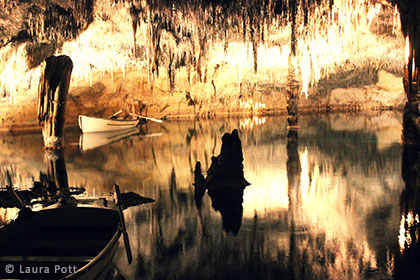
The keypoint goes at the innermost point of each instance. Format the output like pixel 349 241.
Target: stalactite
pixel 171 71
pixel 216 21
pixel 293 90
pixel 155 47
pixel 190 62
pixel 293 34
pixel 134 12
pixel 214 90
pixel 292 95
pixel 255 54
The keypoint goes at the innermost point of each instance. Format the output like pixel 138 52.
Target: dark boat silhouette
pixel 71 239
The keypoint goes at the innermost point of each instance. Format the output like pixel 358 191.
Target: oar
pixel 147 118
pixel 116 113
pixel 12 192
pixel 124 230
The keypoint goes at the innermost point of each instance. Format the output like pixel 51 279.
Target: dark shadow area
pixel 406 264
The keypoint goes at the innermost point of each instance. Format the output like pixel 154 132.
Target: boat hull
pixel 70 242
pixel 91 124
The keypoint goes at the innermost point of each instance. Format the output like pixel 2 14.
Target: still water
pixel 333 204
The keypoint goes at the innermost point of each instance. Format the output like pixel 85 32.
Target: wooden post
pixel 52 103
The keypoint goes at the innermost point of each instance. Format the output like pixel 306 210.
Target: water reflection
pixel 88 141
pixel 406 263
pixel 51 186
pixel 225 182
pixel 74 237
pixel 55 180
pixel 294 169
pixel 334 217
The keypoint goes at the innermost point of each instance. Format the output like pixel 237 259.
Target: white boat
pixel 91 124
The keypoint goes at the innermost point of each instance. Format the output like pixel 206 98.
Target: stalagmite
pixel 52 103
pixel 293 88
pixel 225 182
pixel 292 99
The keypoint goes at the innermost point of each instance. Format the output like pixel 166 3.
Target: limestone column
pixel 52 102
pixel 293 93
pixel 293 87
pixel 409 12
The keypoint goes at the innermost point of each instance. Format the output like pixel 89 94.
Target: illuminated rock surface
pixel 229 56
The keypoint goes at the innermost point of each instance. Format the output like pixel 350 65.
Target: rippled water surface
pixel 332 204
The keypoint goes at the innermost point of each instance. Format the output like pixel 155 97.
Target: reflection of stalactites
pixel 293 161
pixel 409 231
pixel 410 174
pixel 172 186
pixel 293 168
pixel 199 185
pixel 406 264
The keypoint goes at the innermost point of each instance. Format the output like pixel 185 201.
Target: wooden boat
pixel 74 239
pixel 92 124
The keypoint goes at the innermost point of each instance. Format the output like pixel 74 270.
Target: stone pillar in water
pixel 409 11
pixel 293 88
pixel 411 117
pixel 293 93
pixel 52 102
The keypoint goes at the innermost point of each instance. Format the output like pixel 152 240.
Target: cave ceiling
pixel 45 25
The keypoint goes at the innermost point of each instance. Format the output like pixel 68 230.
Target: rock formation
pixel 225 182
pixel 52 102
